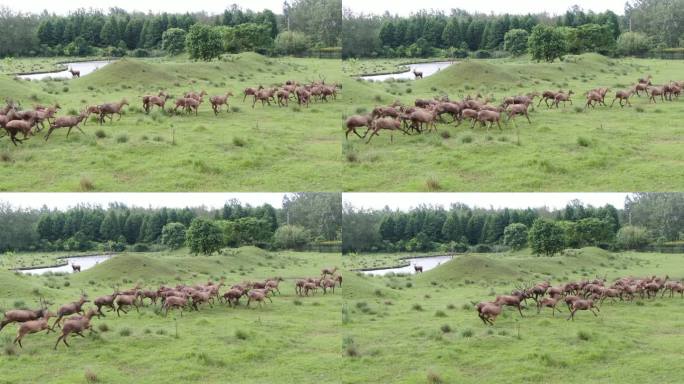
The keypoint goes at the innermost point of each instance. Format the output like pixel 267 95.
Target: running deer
pixel 33 326
pixel 70 309
pixel 76 325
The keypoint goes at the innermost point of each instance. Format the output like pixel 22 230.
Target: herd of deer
pixel 425 113
pixel 181 297
pixel 579 296
pixel 292 90
pixel 29 122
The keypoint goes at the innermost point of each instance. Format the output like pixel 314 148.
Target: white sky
pixel 553 7
pixel 156 6
pixel 406 201
pixel 156 200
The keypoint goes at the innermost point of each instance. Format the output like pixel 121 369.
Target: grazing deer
pixel 75 267
pixel 417 74
pixel 74 72
pixel 33 326
pixel 418 268
pixel 76 325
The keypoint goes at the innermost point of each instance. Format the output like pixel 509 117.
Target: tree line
pixel 303 25
pixel 303 219
pixel 647 218
pixel 645 25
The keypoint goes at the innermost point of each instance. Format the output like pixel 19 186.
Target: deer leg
pixel 520 310
pixel 572 315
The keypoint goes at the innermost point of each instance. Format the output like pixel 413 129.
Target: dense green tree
pixel 203 42
pixel 204 236
pixel 515 236
pixel 546 43
pixel 173 235
pixel 546 237
pixel 633 44
pixel 515 41
pixel 291 43
pixel 291 237
pixel 173 41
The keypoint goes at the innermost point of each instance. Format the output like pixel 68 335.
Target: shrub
pixel 432 184
pixel 86 184
pixel 583 141
pixel 141 247
pixel 103 327
pixel 90 376
pixel 239 142
pixel 122 138
pixel 241 335
pixel 467 139
pixel 291 237
pixel 467 333
pixel 417 307
pixel 125 332
pixel 6 157
pixel 434 378
pixel 583 335
pixel 446 328
pixel 440 313
pixel 100 134
pixel 350 347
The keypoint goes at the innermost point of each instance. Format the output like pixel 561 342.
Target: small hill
pixel 15 285
pixel 472 73
pixel 129 266
pixel 129 72
pixel 357 287
pixel 20 90
pixel 472 267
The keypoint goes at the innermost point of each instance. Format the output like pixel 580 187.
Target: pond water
pixel 427 69
pixel 85 67
pixel 427 263
pixel 84 261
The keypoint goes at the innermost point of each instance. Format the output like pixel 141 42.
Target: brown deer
pixel 74 72
pixel 417 74
pixel 387 123
pixel 655 91
pixel 564 97
pixel 423 116
pixel 174 302
pixel 218 101
pixel 646 80
pixel 13 128
pixel 76 325
pixel 488 311
pixel 338 278
pixel 328 284
pixel 623 96
pixel 195 95
pixel 418 268
pixel 593 98
pixel 70 309
pixel 251 92
pixel 303 96
pixel 33 326
pixel 548 302
pixel 328 271
pixel 22 315
pixel 582 305
pixel 272 284
pixel 92 109
pixel 357 121
pixel 232 297
pixel 310 287
pixel 150 101
pixel 518 110
pixel 111 109
pixel 283 97
pixel 257 295
pixel 487 116
pixel 75 267
pixel 511 301
pixel 264 95
pixel 299 286
pixel 105 301
pixel 126 301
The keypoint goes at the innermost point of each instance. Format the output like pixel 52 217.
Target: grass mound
pixel 472 267
pixel 129 72
pixel 131 266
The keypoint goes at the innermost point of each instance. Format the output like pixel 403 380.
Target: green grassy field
pixel 293 340
pixel 562 150
pixel 425 327
pixel 261 149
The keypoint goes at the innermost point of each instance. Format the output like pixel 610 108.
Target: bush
pixel 632 237
pixel 482 248
pixel 141 247
pixel 100 134
pixel 417 307
pixel 467 333
pixel 483 54
pixel 583 335
pixel 440 313
pixel 633 43
pixel 139 52
pixel 103 327
pixel 446 328
pixel 515 41
pixel 292 43
pixel 583 141
pixel 241 335
pixel 125 332
pixel 122 138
